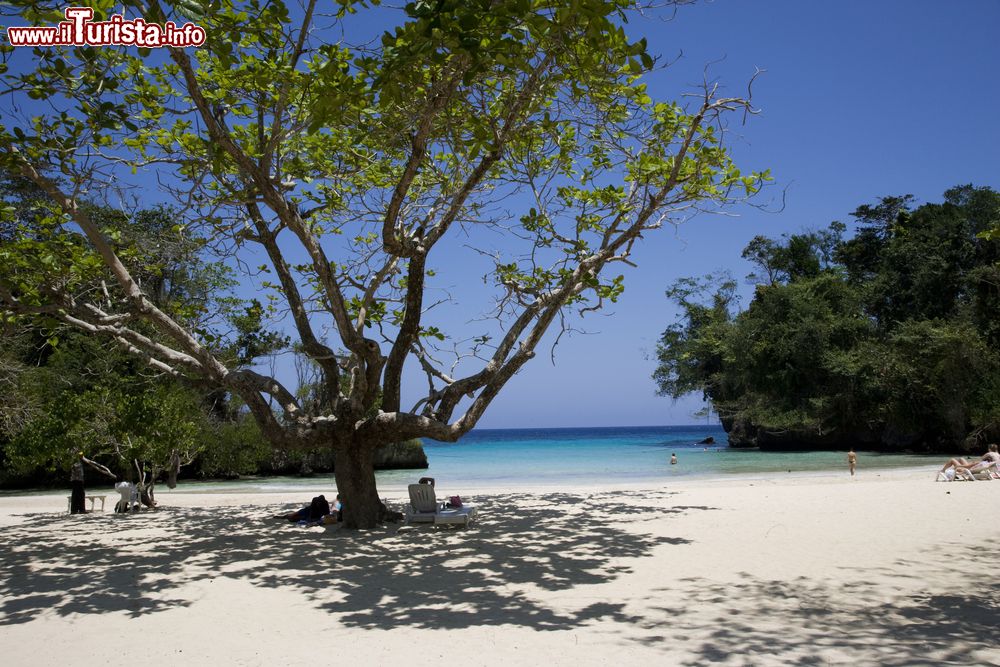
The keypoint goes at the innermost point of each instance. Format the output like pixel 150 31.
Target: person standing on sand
pixel 852 461
pixel 77 495
pixel 76 504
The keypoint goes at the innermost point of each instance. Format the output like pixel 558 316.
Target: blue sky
pixel 859 100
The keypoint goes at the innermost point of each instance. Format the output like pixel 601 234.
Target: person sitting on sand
pixel 336 515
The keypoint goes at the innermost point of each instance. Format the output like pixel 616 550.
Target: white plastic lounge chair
pixel 980 470
pixel 984 470
pixel 424 508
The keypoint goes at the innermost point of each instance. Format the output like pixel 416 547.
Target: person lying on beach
pixel 315 511
pixel 964 469
pixel 991 456
pixel 991 467
pixel 966 472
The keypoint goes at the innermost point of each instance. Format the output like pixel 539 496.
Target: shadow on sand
pixel 420 576
pixel 428 577
pixel 804 622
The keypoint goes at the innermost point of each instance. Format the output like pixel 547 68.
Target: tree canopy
pixel 67 391
pixel 327 173
pixel 887 339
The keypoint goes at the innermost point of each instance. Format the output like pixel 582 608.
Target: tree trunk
pixel 355 476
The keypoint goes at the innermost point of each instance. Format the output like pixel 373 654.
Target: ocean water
pixel 624 454
pixel 590 456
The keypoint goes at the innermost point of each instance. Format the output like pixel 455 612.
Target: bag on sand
pixel 946 476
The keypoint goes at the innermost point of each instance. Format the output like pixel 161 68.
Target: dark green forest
pixel 887 339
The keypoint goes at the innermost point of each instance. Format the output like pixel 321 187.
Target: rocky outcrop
pixel 394 456
pixel 886 438
pixel 741 433
pixel 810 439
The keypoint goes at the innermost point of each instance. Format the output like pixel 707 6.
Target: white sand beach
pixel 888 569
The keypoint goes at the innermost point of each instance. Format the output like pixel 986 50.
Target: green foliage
pixel 890 335
pixel 359 108
pixel 120 418
pixel 237 448
pixel 71 392
pixel 691 352
pixel 798 256
pixel 253 340
pixel 937 374
pixel 84 395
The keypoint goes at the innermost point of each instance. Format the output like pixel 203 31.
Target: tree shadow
pixel 921 610
pixel 804 622
pixel 424 577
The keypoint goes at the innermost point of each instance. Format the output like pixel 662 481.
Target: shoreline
pixel 259 486
pixel 803 569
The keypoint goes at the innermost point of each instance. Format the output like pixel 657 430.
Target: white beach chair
pixel 988 471
pixel 982 470
pixel 424 508
pixel 130 497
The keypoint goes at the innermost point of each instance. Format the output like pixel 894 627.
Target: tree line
pixel 887 339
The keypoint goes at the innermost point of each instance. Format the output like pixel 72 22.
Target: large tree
pixel 337 170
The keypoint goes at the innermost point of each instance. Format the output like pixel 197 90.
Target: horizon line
pixel 557 428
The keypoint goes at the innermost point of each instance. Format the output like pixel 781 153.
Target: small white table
pixel 69 502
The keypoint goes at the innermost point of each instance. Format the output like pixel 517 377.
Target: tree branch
pixel 137 300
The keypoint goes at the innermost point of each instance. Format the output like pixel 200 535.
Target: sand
pixel 888 569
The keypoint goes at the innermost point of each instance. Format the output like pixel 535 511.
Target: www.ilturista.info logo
pixel 79 30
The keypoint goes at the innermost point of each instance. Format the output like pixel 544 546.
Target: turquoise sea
pixel 591 456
